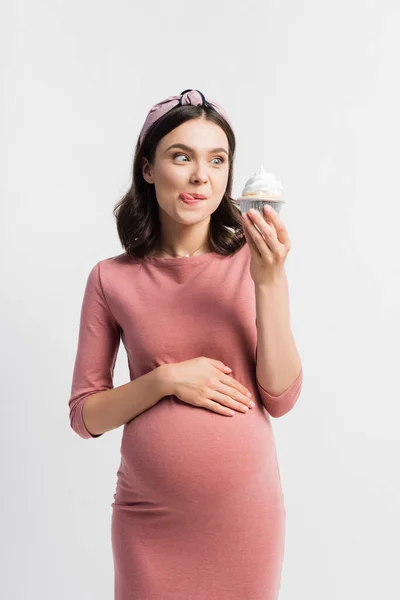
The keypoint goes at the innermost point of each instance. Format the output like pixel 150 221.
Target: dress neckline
pixel 179 261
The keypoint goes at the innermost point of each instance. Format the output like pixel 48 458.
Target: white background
pixel 312 88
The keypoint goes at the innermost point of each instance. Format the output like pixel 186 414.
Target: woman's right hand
pixel 205 382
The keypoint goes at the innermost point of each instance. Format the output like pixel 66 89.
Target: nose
pixel 199 174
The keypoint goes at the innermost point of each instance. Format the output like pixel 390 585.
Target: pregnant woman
pixel 200 300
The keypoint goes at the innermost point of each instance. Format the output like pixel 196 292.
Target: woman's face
pixel 201 168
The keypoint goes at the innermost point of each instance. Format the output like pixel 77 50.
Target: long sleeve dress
pixel 198 511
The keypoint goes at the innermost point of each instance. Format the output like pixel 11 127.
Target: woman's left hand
pixel 269 248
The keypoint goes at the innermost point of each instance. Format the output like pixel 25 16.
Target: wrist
pixel 275 282
pixel 164 380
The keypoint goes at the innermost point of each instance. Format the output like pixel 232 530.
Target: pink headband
pixel 189 96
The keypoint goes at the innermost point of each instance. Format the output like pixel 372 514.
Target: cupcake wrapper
pixel 257 204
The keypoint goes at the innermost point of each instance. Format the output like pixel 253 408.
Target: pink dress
pixel 198 511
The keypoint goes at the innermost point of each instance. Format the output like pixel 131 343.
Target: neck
pixel 180 252
pixel 177 239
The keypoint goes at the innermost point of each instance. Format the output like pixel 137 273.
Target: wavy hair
pixel 137 212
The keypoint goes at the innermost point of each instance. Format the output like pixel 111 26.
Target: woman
pixel 198 512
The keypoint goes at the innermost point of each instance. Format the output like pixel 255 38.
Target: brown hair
pixel 136 213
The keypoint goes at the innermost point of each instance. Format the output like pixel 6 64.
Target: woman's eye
pixel 215 157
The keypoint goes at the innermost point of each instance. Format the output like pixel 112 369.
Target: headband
pixel 189 96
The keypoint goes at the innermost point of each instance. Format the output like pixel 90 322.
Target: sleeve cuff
pixel 78 424
pixel 277 406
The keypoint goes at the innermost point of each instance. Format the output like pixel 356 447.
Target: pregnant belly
pixel 178 454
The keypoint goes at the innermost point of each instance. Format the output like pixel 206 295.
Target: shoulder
pixel 113 263
pixel 112 271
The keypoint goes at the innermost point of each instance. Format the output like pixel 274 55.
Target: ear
pixel 146 170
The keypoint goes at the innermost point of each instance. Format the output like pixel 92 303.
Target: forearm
pixel 278 362
pixel 110 409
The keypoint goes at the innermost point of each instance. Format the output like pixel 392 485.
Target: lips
pixel 193 196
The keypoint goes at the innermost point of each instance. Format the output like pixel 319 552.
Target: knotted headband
pixel 189 96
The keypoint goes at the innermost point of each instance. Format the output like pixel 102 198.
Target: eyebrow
pixel 184 147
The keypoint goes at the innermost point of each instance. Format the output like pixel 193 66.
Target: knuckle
pixel 203 391
pixel 210 382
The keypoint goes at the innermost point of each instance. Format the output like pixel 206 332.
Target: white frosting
pixel 262 184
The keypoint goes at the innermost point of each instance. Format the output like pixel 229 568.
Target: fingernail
pixel 252 404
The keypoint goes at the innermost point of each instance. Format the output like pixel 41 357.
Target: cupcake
pixel 262 188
